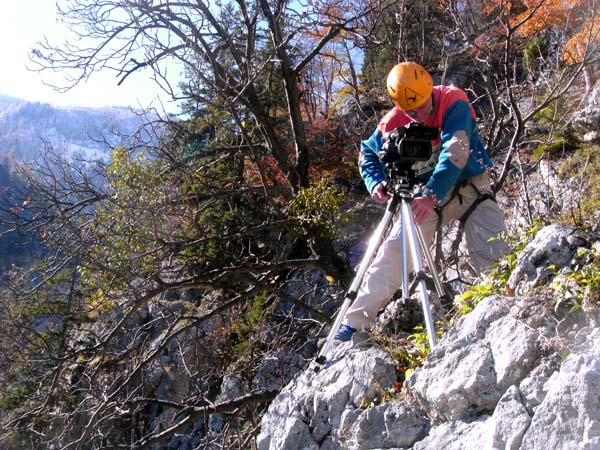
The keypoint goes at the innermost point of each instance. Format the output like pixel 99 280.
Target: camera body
pixel 409 144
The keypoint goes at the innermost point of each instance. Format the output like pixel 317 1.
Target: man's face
pixel 421 113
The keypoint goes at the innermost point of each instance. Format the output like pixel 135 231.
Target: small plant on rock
pixel 496 279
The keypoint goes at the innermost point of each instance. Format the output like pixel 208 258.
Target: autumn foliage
pixel 577 19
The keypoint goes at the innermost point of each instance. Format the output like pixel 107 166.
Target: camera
pixel 408 144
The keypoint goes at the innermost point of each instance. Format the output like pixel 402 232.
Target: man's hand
pixel 422 207
pixel 379 194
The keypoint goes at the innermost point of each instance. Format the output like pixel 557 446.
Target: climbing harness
pixel 481 197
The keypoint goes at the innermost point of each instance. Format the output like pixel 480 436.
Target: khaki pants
pixel 384 276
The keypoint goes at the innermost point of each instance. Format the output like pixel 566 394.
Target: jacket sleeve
pixel 371 169
pixel 454 137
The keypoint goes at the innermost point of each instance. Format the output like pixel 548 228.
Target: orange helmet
pixel 409 85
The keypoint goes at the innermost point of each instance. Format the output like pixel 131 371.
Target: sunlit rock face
pixel 517 372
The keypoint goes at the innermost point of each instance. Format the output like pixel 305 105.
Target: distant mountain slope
pixel 26 126
pixel 78 133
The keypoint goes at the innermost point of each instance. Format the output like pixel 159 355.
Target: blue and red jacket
pixel 452 112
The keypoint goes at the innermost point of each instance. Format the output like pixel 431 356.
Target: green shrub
pixel 317 209
pixel 496 279
pixel 535 50
pixel 564 142
pixel 248 322
pixel 580 284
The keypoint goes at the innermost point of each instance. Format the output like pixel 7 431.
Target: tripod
pixel 401 182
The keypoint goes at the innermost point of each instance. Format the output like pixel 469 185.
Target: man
pixel 455 179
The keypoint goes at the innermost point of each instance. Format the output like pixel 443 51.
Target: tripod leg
pixel 404 262
pixel 439 287
pixel 408 227
pixel 374 244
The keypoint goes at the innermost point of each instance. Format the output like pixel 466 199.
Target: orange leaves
pixel 528 18
pixel 332 153
pixel 334 8
pixel 535 16
pixel 576 17
pixel 541 15
pixel 270 168
pixel 578 46
pixel 495 7
pixel 329 13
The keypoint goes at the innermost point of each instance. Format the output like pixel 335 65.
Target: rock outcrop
pixel 515 373
pixel 588 117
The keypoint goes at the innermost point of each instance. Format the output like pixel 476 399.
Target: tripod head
pixel 401 180
pixel 401 175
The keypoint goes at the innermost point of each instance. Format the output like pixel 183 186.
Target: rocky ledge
pixel 517 372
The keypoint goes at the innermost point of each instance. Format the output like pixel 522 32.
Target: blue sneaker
pixel 345 333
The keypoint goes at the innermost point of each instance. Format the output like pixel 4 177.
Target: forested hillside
pixel 28 128
pixel 189 277
pixel 42 136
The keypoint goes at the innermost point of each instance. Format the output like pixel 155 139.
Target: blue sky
pixel 25 22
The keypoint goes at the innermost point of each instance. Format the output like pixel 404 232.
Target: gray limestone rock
pixel 509 421
pixel 456 435
pixel 469 371
pixel 569 415
pixel 498 380
pixel 311 406
pixel 552 247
